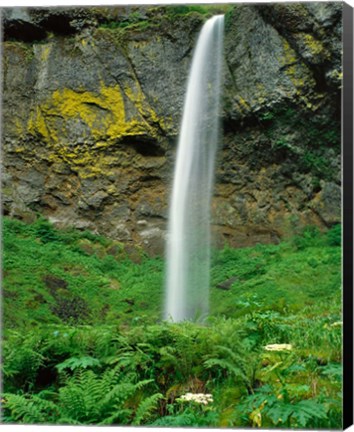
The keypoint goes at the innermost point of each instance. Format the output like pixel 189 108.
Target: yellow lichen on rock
pixel 18 127
pixel 45 51
pixel 242 105
pixel 102 112
pixel 289 53
pixel 138 98
pixel 37 125
pixel 314 46
pixel 101 120
pixel 297 72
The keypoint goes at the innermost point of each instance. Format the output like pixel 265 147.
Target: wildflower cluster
pixel 278 347
pixel 201 398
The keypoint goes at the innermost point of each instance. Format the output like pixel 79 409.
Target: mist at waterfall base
pixel 188 239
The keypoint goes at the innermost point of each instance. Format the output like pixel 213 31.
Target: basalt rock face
pixel 93 99
pixel 280 167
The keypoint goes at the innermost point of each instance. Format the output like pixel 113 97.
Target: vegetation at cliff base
pixel 84 342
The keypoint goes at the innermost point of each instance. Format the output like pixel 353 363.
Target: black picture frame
pixel 347 208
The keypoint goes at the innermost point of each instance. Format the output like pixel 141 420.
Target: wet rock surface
pixel 92 104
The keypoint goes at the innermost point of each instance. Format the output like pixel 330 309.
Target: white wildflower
pixel 201 398
pixel 278 347
pixel 337 324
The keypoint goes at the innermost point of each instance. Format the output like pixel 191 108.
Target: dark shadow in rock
pixel 144 145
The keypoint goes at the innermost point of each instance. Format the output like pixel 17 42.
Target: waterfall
pixel 188 240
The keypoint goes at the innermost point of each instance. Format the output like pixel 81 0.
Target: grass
pixel 46 270
pixel 285 277
pixel 84 342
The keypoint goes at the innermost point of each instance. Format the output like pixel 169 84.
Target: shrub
pixel 45 231
pixel 334 235
pixel 309 237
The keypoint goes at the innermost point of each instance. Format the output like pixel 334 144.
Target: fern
pixel 184 419
pixel 21 361
pixel 120 416
pixel 191 416
pixel 73 363
pixel 307 411
pixel 90 398
pixel 72 401
pixel 146 407
pixel 227 366
pixel 28 409
pixel 237 363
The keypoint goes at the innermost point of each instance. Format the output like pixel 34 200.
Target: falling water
pixel 188 244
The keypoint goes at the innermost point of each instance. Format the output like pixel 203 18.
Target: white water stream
pixel 188 243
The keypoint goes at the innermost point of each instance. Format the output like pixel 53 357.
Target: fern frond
pixel 308 410
pixel 120 416
pixel 118 394
pixel 73 363
pixel 146 407
pixel 71 399
pixel 226 365
pixel 139 385
pixel 68 421
pixel 168 354
pixel 29 409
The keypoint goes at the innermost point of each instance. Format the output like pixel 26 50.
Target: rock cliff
pixel 93 98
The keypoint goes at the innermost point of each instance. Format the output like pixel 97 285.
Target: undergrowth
pixel 84 342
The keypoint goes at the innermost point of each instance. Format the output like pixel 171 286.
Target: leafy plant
pixel 28 409
pixel 269 115
pixel 191 414
pixel 334 235
pixel 22 361
pixel 119 364
pixel 146 408
pixel 309 237
pixel 267 408
pixel 74 363
pixel 86 398
pixel 45 231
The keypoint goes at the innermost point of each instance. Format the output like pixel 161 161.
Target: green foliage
pixel 73 363
pixel 268 115
pixel 280 144
pixel 207 10
pixel 85 265
pixel 316 162
pixel 156 16
pixel 229 14
pixel 127 25
pixel 133 20
pixel 143 371
pixel 334 235
pixel 45 231
pixel 146 408
pixel 267 409
pixel 124 366
pixel 310 237
pixel 28 409
pixel 185 9
pixel 86 398
pixel 184 416
pixel 304 141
